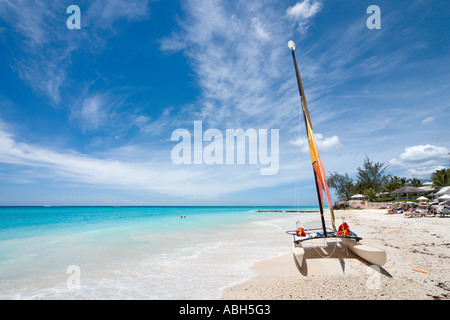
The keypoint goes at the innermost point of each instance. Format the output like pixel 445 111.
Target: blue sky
pixel 86 116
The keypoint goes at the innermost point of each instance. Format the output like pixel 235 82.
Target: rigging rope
pixel 297 179
pixel 326 243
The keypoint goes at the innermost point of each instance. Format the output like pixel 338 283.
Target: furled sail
pixel 319 171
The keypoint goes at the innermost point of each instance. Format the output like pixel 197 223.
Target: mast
pixel 318 169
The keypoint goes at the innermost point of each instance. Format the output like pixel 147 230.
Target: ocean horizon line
pixel 155 206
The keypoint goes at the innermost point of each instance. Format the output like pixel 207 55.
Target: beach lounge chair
pixel 429 214
pixel 446 211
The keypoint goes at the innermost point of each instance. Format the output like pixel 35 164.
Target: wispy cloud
pixel 428 120
pixel 36 62
pixel 122 172
pixel 238 54
pixel 91 113
pixel 104 13
pixel 247 79
pixel 155 126
pixel 81 168
pixel 98 109
pixel 43 58
pixel 301 12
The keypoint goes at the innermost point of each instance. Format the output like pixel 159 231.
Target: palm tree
pixel 394 178
pixel 403 181
pixel 390 187
pixel 415 182
pixel 441 178
pixel 358 188
pixel 371 194
pixel 399 181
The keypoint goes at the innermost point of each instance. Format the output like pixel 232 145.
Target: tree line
pixel 371 180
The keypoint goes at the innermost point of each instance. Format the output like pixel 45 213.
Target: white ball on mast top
pixel 291 45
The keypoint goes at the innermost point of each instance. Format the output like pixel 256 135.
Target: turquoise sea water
pixel 136 252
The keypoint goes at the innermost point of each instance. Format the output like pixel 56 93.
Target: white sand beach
pixel 417 264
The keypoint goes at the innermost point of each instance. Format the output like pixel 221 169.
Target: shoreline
pixel 417 266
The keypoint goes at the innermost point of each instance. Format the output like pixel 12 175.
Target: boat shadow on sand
pixel 332 259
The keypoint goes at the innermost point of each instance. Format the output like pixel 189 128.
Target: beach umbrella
pixel 445 197
pixel 422 198
pixel 357 196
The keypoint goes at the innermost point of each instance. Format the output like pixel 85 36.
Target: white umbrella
pixel 422 198
pixel 445 197
pixel 357 196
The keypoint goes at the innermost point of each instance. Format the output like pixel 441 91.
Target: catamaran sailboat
pixel 351 240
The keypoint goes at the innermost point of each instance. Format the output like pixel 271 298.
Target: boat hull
pixel 298 253
pixel 370 254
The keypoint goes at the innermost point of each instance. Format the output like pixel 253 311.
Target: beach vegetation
pixel 400 181
pixel 343 185
pixel 390 187
pixel 371 180
pixel 441 178
pixel 371 175
pixel 415 182
pixel 358 188
pixel 386 200
pixel 371 194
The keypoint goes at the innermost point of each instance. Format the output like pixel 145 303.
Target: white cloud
pixel 156 126
pixel 104 13
pixel 427 120
pixel 75 167
pixel 421 160
pixel 323 144
pixel 46 49
pixel 304 10
pixel 423 153
pixel 125 173
pixel 240 57
pixel 423 172
pixel 259 28
pixel 91 112
pixel 38 64
pixel 100 110
pixel 94 110
pixel 45 75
